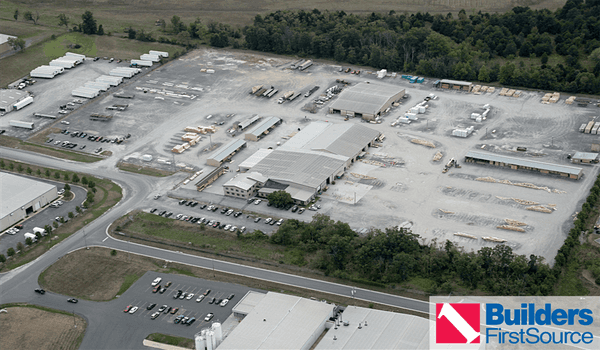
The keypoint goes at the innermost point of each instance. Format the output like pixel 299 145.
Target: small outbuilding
pixel 454 85
pixel 262 128
pixel 584 157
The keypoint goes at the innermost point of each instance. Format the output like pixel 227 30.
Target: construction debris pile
pixel 423 143
pixel 520 184
pixel 478 117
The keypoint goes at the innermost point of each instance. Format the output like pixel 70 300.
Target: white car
pixel 268 220
pixel 227 227
pixel 133 310
pixel 200 298
pixel 189 296
pixel 257 202
pixel 178 216
pixel 65 122
pixel 156 281
pixel 233 228
pixel 224 302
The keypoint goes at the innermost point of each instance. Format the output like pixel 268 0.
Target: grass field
pixel 34 327
pixel 107 195
pixel 96 274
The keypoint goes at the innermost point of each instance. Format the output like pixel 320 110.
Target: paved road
pixel 18 285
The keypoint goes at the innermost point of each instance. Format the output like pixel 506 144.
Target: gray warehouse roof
pixel 585 156
pixel 525 162
pixel 302 167
pixel 246 123
pixel 383 330
pixel 9 97
pixel 364 98
pixel 342 139
pixel 263 126
pixel 279 321
pixel 16 191
pixel 224 151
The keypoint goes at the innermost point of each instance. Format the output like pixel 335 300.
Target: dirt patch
pixel 144 170
pixel 93 274
pixel 33 328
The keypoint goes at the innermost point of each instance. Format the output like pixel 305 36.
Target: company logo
pixel 457 323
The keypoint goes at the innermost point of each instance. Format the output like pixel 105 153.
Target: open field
pixel 142 14
pixel 33 327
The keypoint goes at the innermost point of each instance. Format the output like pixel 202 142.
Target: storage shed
pixel 519 163
pixel 454 84
pixel 367 101
pixel 585 157
pixel 225 152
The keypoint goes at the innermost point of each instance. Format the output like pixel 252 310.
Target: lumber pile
pixel 462 234
pixel 494 239
pixel 540 208
pixel 437 156
pixel 503 91
pixel 510 228
pixel 551 97
pixel 570 100
pixel 423 142
pixel 515 222
pixel 201 129
pixel 446 211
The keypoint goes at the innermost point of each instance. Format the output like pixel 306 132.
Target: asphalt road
pixel 138 190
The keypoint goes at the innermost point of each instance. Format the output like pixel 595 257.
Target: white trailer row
pixel 97 85
pixel 76 55
pixel 62 63
pixel 113 81
pixel 48 72
pixel 86 92
pixel 149 57
pixel 159 53
pixel 24 102
pixel 124 72
pixel 143 63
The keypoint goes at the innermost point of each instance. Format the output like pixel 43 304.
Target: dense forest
pixel 537 49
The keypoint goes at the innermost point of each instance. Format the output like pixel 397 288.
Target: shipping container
pixel 159 53
pixel 20 124
pixel 147 57
pixel 61 63
pixel 144 63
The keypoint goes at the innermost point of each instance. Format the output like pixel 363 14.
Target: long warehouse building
pixel 367 101
pixel 519 163
pixel 225 152
pixel 21 196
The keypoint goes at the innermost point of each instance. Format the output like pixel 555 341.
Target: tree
pixel 100 30
pixel 48 229
pixel 2 164
pixel 16 43
pixel 78 209
pixel 47 173
pixel 544 58
pixel 84 179
pixel 113 252
pixel 3 259
pixel 19 168
pixel 55 224
pixel 63 20
pixel 88 26
pixel 28 241
pixel 10 251
pixel 38 235
pixel 20 247
pixel 67 189
pixel 16 15
pixel 66 176
pixel 131 33
pixel 38 172
pixel 71 215
pixel 57 175
pixel 280 199
pixel 75 178
pixel 62 220
pixel 90 197
pixel 11 166
pixel 29 171
pixel 29 16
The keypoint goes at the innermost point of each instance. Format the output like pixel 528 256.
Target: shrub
pixel 10 251
pixel 20 246
pixel 29 241
pixel 113 252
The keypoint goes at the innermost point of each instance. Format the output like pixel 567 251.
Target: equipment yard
pixel 415 176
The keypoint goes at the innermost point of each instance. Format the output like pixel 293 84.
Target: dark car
pixel 188 203
pixel 72 300
pixel 202 206
pixel 167 310
pixel 162 212
pixel 211 301
pixel 168 284
pixel 40 290
pixel 224 210
pixel 207 292
pixel 162 290
pixel 218 301
pixel 237 214
pixel 176 295
pixel 178 319
pixel 294 208
pixel 168 214
pixel 190 321
pixel 151 306
pixel 182 202
pixel 174 311
pixel 152 210
pixel 230 296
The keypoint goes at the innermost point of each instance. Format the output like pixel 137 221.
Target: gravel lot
pixel 409 188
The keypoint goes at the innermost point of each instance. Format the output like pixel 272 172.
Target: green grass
pixel 171 340
pixel 59 46
pixel 129 281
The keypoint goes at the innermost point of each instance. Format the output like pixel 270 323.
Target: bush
pixel 113 252
pixel 10 251
pixel 20 246
pixel 28 241
pixel 55 224
pixel 71 215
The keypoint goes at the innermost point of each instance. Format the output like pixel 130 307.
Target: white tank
pixel 200 341
pixel 213 339
pixel 209 341
pixel 218 330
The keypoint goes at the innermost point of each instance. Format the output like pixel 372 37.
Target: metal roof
pixel 383 330
pixel 246 181
pixel 365 98
pixel 455 82
pixel 224 151
pixel 302 167
pixel 254 158
pixel 279 321
pixel 246 123
pixel 248 302
pixel 16 191
pixel 9 97
pixel 525 162
pixel 342 139
pixel 4 38
pixel 585 156
pixel 263 126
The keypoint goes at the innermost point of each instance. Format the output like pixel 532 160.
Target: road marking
pixel 104 239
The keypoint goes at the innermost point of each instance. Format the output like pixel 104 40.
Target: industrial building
pixel 22 196
pixel 244 124
pixel 8 98
pixel 376 329
pixel 210 178
pixel 367 101
pixel 454 85
pixel 584 157
pixel 305 164
pixel 4 45
pixel 277 321
pixel 519 163
pixel 262 128
pixel 225 152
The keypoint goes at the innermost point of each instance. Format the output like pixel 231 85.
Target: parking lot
pixel 44 216
pixel 127 329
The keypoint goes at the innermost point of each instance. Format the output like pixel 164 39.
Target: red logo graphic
pixel 457 323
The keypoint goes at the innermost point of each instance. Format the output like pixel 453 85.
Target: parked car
pixel 168 284
pixel 174 311
pixel 128 308
pixel 209 317
pixel 257 219
pixel 301 210
pixel 183 295
pixel 294 208
pixel 162 308
pixel 178 294
pixel 151 306
pixel 233 228
pixel 268 220
pixel 257 202
pixel 178 319
pixel 189 296
pixel 243 229
pixel 200 298
pixel 72 300
pixel 133 310
pixel 207 292
pixel 190 321
pixel 155 315
pixel 162 290
pixel 231 296
pixel 224 302
pixel 212 300
pixel 152 210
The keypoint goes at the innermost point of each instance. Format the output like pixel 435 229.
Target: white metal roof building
pixel 366 100
pixel 4 46
pixel 244 185
pixel 378 330
pixel 341 139
pixel 519 163
pixel 247 122
pixel 8 98
pixel 584 157
pixel 280 321
pixel 262 128
pixel 225 152
pixel 21 196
